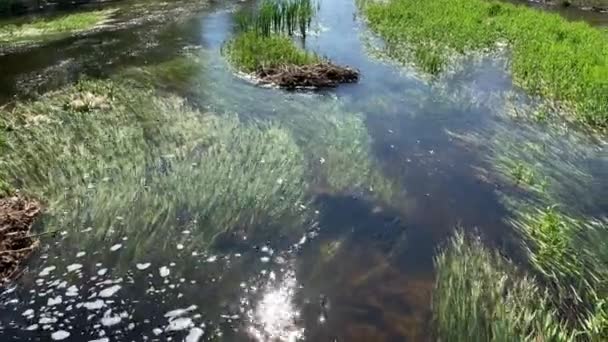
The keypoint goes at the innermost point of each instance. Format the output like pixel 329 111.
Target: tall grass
pixel 480 296
pixel 564 61
pixel 279 16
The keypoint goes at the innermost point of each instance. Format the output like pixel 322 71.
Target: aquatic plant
pixel 480 296
pixel 339 152
pixel 571 256
pixel 122 159
pixel 251 52
pixel 278 16
pixel 44 29
pixel 564 61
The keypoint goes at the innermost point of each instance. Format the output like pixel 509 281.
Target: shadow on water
pixel 360 270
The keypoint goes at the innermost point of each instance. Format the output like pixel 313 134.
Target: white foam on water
pixel 60 335
pixel 109 292
pixel 103 339
pixel 72 291
pixel 179 324
pixel 54 301
pixel 109 320
pixel 180 312
pixel 143 266
pixel 94 305
pixel 46 271
pixel 164 271
pixel 74 267
pixel 194 335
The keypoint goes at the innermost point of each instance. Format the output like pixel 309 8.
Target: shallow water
pixel 360 269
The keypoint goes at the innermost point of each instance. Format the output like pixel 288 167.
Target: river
pixel 361 270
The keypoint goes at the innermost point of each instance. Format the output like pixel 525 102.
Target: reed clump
pixel 278 16
pixel 263 47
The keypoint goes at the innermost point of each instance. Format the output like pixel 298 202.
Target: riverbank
pixel 565 62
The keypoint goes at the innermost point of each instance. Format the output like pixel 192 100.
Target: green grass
pixel 251 52
pixel 572 257
pixel 123 160
pixel 561 60
pixel 278 16
pixel 44 29
pixel 480 296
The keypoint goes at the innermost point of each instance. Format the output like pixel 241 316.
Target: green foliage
pixel 251 52
pixel 44 29
pixel 564 61
pixel 571 256
pixel 278 16
pixel 479 296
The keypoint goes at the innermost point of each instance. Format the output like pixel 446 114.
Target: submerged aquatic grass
pixel 121 159
pixel 43 29
pixel 571 256
pixel 480 296
pixel 564 61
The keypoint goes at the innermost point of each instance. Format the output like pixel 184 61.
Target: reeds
pixel 278 16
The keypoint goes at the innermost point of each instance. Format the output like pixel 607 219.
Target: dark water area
pixel 572 13
pixel 360 270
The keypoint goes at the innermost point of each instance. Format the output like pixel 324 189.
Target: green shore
pixel 563 61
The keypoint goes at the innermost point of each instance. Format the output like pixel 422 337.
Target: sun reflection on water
pixel 275 317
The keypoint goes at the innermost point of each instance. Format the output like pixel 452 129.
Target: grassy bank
pixel 46 29
pixel 564 61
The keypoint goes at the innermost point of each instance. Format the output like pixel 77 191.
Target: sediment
pixel 322 75
pixel 17 214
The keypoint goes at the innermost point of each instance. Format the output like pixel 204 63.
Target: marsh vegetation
pixel 380 205
pixel 566 62
pixel 264 47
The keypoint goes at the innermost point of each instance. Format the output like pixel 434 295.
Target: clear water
pixel 361 270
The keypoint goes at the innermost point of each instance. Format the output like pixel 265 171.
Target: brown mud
pixel 322 75
pixel 17 214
